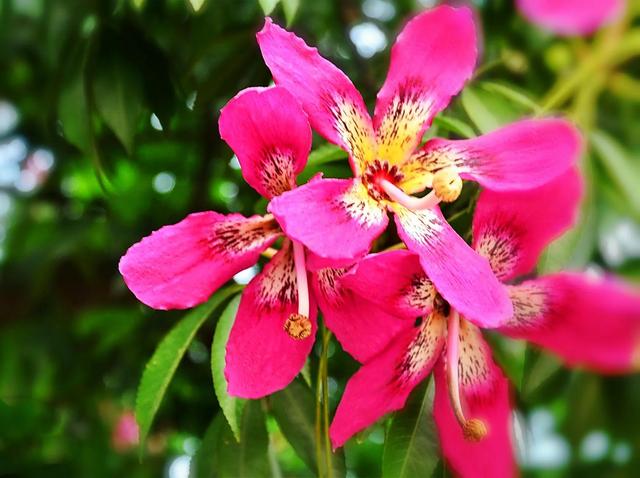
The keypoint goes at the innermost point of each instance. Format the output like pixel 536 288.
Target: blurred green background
pixel 108 113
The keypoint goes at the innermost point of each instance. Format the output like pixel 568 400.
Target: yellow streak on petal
pixel 356 132
pixel 400 129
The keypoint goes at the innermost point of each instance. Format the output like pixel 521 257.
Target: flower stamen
pixel 473 429
pixel 447 184
pixel 298 326
pixel 414 204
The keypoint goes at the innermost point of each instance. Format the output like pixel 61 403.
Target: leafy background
pixel 108 115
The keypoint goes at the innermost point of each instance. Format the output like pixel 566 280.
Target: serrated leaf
pixel 196 5
pixel 231 406
pixel 411 444
pixel 294 410
pixel 160 369
pixel 118 96
pixel 290 8
pixel 221 456
pixel 73 112
pixel 268 5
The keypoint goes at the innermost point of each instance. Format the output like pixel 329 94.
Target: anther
pixel 474 429
pixel 410 202
pixel 298 326
pixel 447 184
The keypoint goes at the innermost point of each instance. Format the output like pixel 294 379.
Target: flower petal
pixel 462 277
pixel 431 60
pixel 270 135
pixel 383 384
pixel 334 106
pixel 394 281
pixel 587 321
pixel 334 218
pixel 571 17
pixel 520 156
pixel 485 396
pixel 362 328
pixel 512 229
pixel 262 357
pixel 181 265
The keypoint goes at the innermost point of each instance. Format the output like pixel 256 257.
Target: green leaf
pixel 478 111
pixel 73 112
pixel 326 154
pixel 290 8
pixel 196 5
pixel 231 406
pixel 268 5
pixel 512 94
pixel 138 4
pixel 221 456
pixel 411 445
pixel 160 369
pixel 623 171
pixel 294 410
pixel 454 125
pixel 118 95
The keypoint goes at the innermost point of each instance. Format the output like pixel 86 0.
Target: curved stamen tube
pixel 410 202
pixel 473 429
pixel 301 279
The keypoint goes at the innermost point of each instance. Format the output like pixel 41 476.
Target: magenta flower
pixel 181 265
pixel 125 434
pixel 586 321
pixel 571 17
pixel 338 219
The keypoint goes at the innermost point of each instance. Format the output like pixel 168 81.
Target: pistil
pixel 298 326
pixel 473 429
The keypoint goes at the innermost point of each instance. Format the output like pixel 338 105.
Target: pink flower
pixel 571 17
pixel 338 219
pixel 125 434
pixel 181 265
pixel 586 321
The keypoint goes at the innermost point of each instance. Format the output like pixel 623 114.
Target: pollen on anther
pixel 298 326
pixel 447 184
pixel 474 430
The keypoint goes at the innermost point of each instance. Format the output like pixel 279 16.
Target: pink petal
pixel 334 218
pixel 362 328
pixel 571 17
pixel 512 229
pixel 270 135
pixel 383 384
pixel 394 281
pixel 522 155
pixel 432 58
pixel 181 265
pixel 261 356
pixel 484 393
pixel 334 106
pixel 462 277
pixel 587 321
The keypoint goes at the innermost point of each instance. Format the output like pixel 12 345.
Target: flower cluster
pixel 432 300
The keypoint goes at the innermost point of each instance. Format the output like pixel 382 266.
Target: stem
pixel 301 278
pixel 326 338
pixel 318 420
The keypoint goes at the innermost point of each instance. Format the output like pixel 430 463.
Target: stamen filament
pixel 412 203
pixel 301 279
pixel 473 429
pixel 453 356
